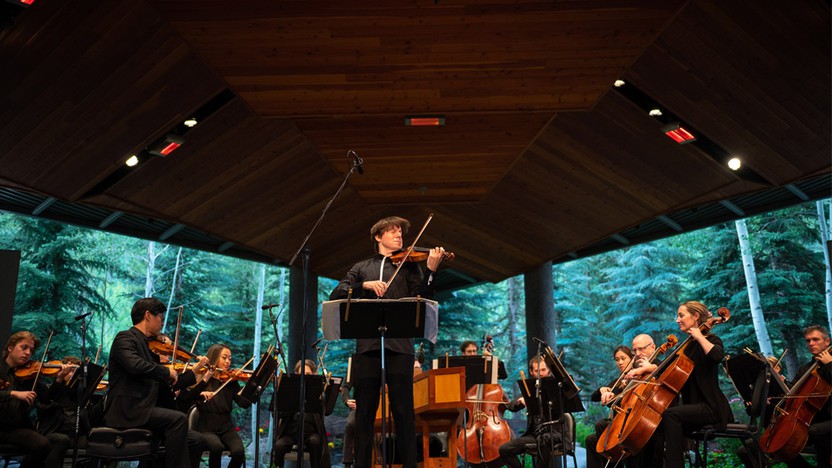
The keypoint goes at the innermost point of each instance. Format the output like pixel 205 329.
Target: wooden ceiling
pixel 541 158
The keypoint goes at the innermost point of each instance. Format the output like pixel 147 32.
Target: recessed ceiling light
pixel 132 161
pixel 618 83
pixel 734 164
pixel 655 112
pixel 190 122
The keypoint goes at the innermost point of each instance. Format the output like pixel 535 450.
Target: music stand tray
pixel 288 387
pixel 410 317
pixel 95 374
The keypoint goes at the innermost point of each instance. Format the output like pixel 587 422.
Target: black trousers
pixel 367 386
pixel 173 426
pixel 349 439
pixel 593 458
pixel 34 444
pixel 313 444
pixel 676 422
pixel 217 442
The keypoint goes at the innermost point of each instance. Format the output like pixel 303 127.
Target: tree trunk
pixel 151 264
pixel 258 330
pixel 513 306
pixel 825 246
pixel 172 287
pixel 753 291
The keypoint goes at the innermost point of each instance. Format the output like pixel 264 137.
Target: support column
pixel 540 308
pixel 296 316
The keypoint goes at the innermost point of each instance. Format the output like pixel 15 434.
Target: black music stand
pixel 546 404
pixel 744 370
pixel 253 389
pixel 84 381
pixel 380 319
pixel 289 384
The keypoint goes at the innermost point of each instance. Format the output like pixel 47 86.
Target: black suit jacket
pixel 135 377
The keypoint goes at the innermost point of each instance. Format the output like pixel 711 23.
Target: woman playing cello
pixel 702 402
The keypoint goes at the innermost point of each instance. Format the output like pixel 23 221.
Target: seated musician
pixel 622 356
pixel 17 399
pixel 215 399
pixel 702 402
pixel 314 432
pixel 168 398
pixel 820 430
pixel 518 446
pixel 643 348
pixel 468 348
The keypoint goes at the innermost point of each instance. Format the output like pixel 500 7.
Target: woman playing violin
pixel 369 279
pixel 16 401
pixel 702 402
pixel 215 400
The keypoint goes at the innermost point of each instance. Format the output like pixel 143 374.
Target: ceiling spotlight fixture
pixel 425 121
pixel 655 112
pixel 132 161
pixel 165 145
pixel 190 123
pixel 734 164
pixel 678 133
pixel 618 83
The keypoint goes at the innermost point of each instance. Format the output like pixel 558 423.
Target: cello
pixel 788 431
pixel 622 405
pixel 486 430
pixel 650 399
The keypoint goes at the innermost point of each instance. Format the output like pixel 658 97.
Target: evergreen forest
pixel 600 302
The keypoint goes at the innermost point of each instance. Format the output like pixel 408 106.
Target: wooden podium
pixel 438 399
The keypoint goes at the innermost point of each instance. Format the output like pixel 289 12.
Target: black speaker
pixel 9 268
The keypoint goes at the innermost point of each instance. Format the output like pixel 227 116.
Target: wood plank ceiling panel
pixel 754 77
pixel 92 83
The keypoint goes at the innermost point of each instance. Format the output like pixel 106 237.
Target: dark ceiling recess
pixel 147 154
pixel 667 118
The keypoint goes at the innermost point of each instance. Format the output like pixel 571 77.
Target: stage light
pixel 190 123
pixel 132 161
pixel 735 164
pixel 619 83
pixel 655 112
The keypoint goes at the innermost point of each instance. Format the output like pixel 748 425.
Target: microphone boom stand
pixel 304 250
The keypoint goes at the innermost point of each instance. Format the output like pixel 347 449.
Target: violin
pixel 166 349
pixel 236 374
pixel 419 254
pixel 33 368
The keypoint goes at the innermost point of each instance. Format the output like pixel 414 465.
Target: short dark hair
pixel 538 358
pixel 385 224
pixel 466 344
pixel 816 328
pixel 309 363
pixel 146 304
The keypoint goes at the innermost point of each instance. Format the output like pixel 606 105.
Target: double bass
pixel 788 431
pixel 650 399
pixel 486 430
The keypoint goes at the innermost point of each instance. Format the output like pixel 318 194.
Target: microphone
pixel 543 343
pixel 315 344
pixel 357 161
pixel 269 306
pixel 79 317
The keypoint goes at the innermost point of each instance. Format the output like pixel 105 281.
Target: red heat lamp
pixel 425 121
pixel 165 145
pixel 678 133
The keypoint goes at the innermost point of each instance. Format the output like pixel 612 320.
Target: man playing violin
pixel 368 279
pixel 135 379
pixel 16 402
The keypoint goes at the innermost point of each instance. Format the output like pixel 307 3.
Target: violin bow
pixel 239 371
pixel 43 359
pixel 409 251
pixel 193 347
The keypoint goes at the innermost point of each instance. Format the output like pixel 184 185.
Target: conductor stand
pixel 380 319
pixel 304 250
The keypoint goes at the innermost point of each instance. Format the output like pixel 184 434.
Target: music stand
pixel 261 376
pixel 744 370
pixel 410 317
pixel 547 404
pixel 289 384
pixel 94 375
